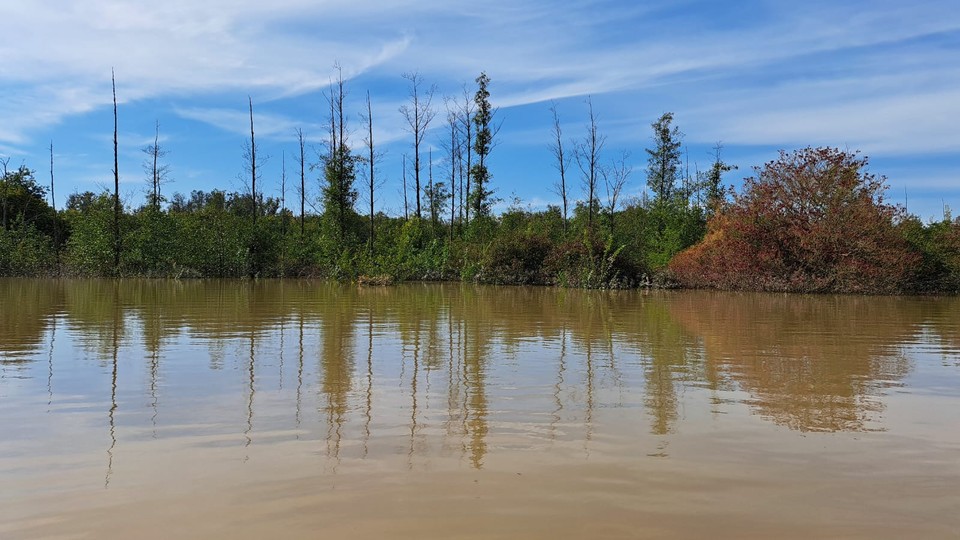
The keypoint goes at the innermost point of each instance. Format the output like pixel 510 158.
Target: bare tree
pixel 303 181
pixel 587 155
pixel 432 198
pixel 283 212
pixel 614 179
pixel 53 205
pixel 556 146
pixel 250 162
pixel 283 193
pixel 452 146
pixel 116 182
pixel 406 204
pixel 5 162
pixel 465 111
pixel 156 171
pixel 253 163
pixel 371 160
pixel 418 114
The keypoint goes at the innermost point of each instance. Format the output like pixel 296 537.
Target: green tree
pixel 663 165
pixel 481 195
pixel 339 167
pixel 24 201
pixel 715 194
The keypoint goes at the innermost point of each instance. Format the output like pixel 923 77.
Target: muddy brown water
pixel 229 409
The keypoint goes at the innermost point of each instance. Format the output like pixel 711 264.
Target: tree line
pixel 814 220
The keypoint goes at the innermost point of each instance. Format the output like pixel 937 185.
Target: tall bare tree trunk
pixel 254 238
pixel 283 213
pixel 371 157
pixel 557 148
pixel 116 182
pixel 253 163
pixel 433 194
pixel 454 158
pixel 406 204
pixel 6 197
pixel 53 204
pixel 303 183
pixel 588 159
pixel 418 119
pixel 466 112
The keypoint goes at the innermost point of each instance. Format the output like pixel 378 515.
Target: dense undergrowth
pixel 218 239
pixel 812 221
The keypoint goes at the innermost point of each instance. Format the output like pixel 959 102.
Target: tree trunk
pixel 116 183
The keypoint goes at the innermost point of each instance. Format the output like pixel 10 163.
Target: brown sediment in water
pixel 232 409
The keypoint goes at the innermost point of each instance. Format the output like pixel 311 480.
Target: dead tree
pixel 303 182
pixel 116 182
pixel 250 155
pixel 156 172
pixel 465 112
pixel 614 179
pixel 406 203
pixel 5 162
pixel 53 205
pixel 588 160
pixel 556 146
pixel 371 165
pixel 453 159
pixel 418 114
pixel 432 199
pixel 253 164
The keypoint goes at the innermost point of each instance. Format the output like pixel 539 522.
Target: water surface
pixel 229 409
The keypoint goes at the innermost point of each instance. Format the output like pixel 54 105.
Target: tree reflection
pixel 336 318
pixel 808 363
pixel 28 306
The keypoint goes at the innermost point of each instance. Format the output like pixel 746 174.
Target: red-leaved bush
pixel 813 220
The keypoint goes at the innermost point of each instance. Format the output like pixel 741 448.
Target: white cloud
pixel 869 74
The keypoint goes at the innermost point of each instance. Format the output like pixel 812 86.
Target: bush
pixel 25 251
pixel 811 221
pixel 592 264
pixel 516 259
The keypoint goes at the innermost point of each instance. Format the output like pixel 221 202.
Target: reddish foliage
pixel 813 221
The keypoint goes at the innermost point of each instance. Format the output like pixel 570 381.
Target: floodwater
pixel 230 409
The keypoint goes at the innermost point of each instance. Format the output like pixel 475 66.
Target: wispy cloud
pixel 877 75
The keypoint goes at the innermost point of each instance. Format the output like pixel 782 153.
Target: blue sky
pixel 879 76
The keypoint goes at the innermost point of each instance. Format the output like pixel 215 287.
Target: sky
pixel 878 76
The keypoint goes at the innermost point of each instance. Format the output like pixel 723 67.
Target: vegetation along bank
pixel 813 220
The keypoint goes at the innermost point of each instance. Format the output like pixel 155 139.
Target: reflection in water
pixel 114 357
pixel 811 364
pixel 808 363
pixel 251 390
pixel 53 341
pixel 299 369
pixel 337 362
pixel 368 410
pixel 536 405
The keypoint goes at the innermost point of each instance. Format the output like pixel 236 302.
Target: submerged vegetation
pixel 814 220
